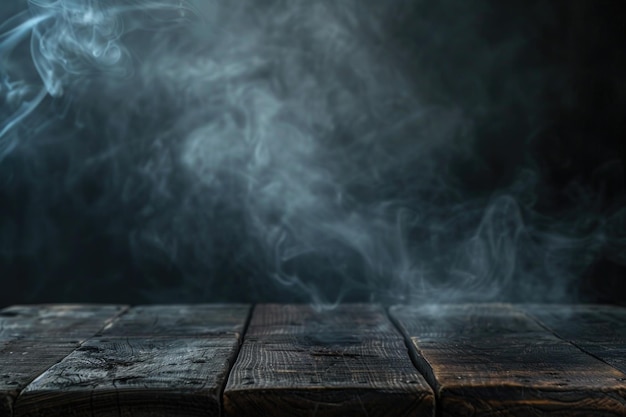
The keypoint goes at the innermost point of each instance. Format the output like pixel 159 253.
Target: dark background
pixel 567 71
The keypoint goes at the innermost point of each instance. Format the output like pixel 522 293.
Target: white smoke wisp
pixel 282 143
pixel 70 41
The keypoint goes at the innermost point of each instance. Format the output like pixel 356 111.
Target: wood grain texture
pixel 345 362
pixel 133 377
pixel 181 320
pixel 56 321
pixel 493 360
pixel 154 361
pixel 33 338
pixel 597 329
pixel 344 319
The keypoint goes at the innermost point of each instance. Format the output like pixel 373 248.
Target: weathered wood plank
pixel 57 321
pixel 596 329
pixel 153 361
pixel 491 360
pixel 296 319
pixel 135 377
pixel 33 338
pixel 345 362
pixel 181 320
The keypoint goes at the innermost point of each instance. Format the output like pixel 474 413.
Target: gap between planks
pixel 419 362
pixel 597 330
pixel 34 338
pixel 350 361
pixel 492 359
pixel 154 360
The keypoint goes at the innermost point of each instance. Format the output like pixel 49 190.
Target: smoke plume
pixel 291 150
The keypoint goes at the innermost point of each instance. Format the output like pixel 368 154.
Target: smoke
pixel 256 150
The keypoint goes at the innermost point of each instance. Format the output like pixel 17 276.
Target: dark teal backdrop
pixel 543 83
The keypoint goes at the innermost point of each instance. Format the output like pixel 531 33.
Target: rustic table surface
pixel 295 360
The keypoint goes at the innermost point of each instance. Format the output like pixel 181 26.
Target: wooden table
pixel 295 360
